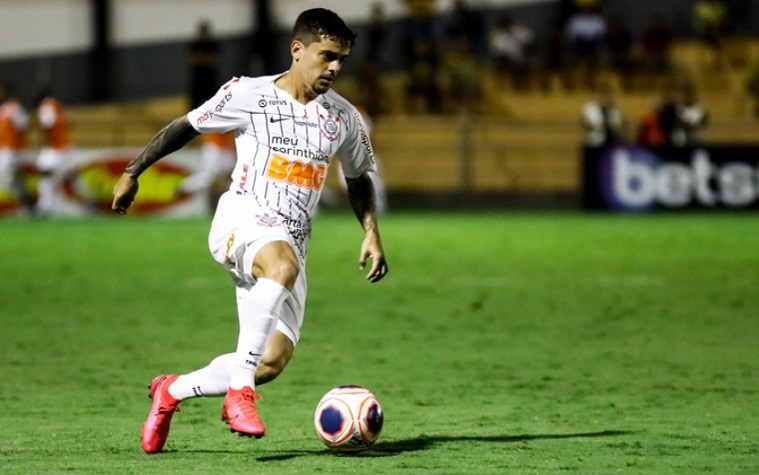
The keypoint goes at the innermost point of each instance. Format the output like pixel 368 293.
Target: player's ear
pixel 296 49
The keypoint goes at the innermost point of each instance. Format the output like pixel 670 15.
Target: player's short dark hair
pixel 311 25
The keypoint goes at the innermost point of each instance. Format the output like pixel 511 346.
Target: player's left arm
pixel 170 139
pixel 362 199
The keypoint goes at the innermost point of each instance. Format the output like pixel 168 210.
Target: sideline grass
pixel 499 343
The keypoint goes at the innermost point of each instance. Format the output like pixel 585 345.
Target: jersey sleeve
pixel 355 153
pixel 223 112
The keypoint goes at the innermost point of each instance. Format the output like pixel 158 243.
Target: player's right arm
pixel 170 139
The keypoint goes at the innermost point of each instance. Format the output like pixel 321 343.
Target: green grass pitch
pixel 498 343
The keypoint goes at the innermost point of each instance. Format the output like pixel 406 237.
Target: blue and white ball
pixel 348 419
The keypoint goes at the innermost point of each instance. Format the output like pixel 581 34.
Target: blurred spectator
pixel 649 131
pixel 204 62
pixel 586 33
pixel 619 45
pixel 369 86
pixel 466 25
pixel 752 87
pixel 369 71
pixel 595 4
pixel 423 89
pixel 710 21
pixel 553 59
pixel 656 43
pixel 423 57
pixel 377 31
pixel 14 123
pixel 667 114
pixel 602 120
pixel 509 47
pixel 691 117
pixel 675 119
pixel 566 9
pixel 419 24
pixel 460 58
pixel 56 142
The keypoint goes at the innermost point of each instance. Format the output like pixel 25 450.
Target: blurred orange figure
pixel 14 122
pixel 56 143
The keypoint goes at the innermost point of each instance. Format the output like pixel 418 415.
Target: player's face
pixel 319 63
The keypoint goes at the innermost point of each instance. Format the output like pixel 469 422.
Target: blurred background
pixel 529 104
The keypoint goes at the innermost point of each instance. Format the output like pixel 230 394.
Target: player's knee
pixel 280 265
pixel 285 271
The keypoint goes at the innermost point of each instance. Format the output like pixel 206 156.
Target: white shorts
pixel 240 228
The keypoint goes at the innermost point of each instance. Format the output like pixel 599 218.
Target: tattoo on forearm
pixel 362 199
pixel 170 139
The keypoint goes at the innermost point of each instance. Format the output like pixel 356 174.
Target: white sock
pixel 210 381
pixel 258 313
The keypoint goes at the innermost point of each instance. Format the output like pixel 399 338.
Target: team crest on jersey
pixel 330 127
pixel 267 220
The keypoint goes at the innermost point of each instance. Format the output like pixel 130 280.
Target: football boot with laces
pixel 155 431
pixel 239 411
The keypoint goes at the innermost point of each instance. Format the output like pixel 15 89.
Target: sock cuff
pixel 269 294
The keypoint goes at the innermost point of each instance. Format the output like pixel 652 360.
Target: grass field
pixel 498 343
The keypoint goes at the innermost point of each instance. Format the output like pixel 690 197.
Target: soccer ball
pixel 348 419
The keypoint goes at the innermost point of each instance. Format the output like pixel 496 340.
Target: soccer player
pixel 287 128
pixel 14 122
pixel 56 142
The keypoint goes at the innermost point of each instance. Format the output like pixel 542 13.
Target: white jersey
pixel 284 148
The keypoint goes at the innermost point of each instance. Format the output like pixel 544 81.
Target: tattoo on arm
pixel 362 199
pixel 170 139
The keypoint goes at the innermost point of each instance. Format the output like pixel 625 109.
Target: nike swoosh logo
pixel 274 120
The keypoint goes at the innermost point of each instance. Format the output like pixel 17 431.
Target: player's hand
pixel 124 193
pixel 372 249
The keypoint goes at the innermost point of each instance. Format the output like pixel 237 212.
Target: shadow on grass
pixel 424 442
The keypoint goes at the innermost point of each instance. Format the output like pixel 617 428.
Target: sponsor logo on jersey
pixel 296 224
pixel 289 146
pixel 297 173
pixel 243 178
pixel 284 141
pixel 304 122
pixel 228 252
pixel 207 115
pixel 364 137
pixel 333 108
pixel 263 102
pixel 220 106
